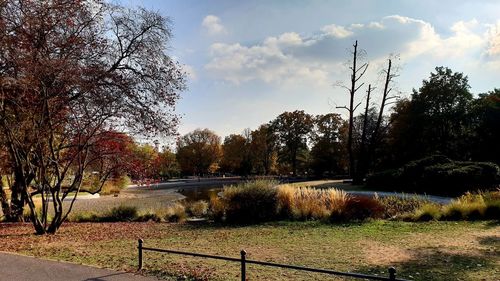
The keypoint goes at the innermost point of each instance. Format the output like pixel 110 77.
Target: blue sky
pixel 249 61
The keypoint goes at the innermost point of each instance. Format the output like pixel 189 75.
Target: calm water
pixel 200 193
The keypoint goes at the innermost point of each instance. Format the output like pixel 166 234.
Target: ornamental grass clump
pixel 398 206
pixel 198 209
pixel 428 212
pixel 306 203
pixel 470 206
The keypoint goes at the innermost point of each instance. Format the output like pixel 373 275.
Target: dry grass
pixel 310 203
pixel 419 251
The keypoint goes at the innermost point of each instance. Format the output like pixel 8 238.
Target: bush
pixel 250 202
pixel 438 174
pixel 385 179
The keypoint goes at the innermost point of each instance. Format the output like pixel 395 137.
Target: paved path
pixel 15 267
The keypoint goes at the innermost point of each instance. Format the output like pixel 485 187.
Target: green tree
pixel 327 153
pixel 292 129
pixel 166 164
pixel 486 126
pixel 435 119
pixel 199 152
pixel 235 151
pixel 263 150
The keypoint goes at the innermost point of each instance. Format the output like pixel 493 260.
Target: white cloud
pixel 213 25
pixel 493 37
pixel 294 58
pixel 337 30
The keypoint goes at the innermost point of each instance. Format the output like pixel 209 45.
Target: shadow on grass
pixel 492 224
pixel 434 264
pixel 490 241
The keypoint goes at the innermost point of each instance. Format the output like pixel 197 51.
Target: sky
pixel 248 61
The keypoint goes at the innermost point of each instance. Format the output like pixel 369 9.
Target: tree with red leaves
pixel 71 72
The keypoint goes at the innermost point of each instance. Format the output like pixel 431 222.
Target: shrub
pixel 250 202
pixel 438 174
pixel 198 209
pixel 121 213
pixel 385 179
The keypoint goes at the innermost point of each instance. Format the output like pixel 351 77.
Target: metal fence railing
pixel 244 261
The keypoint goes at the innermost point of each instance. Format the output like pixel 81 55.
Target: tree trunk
pixel 352 165
pixel 17 203
pixel 363 157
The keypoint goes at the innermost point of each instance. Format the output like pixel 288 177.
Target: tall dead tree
pixel 363 157
pixel 389 76
pixel 356 74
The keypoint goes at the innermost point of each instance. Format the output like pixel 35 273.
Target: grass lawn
pixel 419 251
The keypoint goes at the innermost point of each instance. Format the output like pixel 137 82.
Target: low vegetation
pixel 263 201
pixel 470 206
pixel 438 175
pixel 175 213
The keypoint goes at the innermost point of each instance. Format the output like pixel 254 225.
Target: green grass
pixel 420 251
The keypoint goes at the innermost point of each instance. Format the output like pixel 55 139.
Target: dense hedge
pixel 438 174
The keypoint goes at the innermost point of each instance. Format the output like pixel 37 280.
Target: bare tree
pixel 389 76
pixel 356 74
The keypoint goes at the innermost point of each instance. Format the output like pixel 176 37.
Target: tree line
pixel 441 117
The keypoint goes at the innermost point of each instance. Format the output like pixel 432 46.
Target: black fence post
pixel 139 247
pixel 392 273
pixel 243 265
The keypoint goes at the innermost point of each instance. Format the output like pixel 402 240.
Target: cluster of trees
pixel 281 146
pixel 441 117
